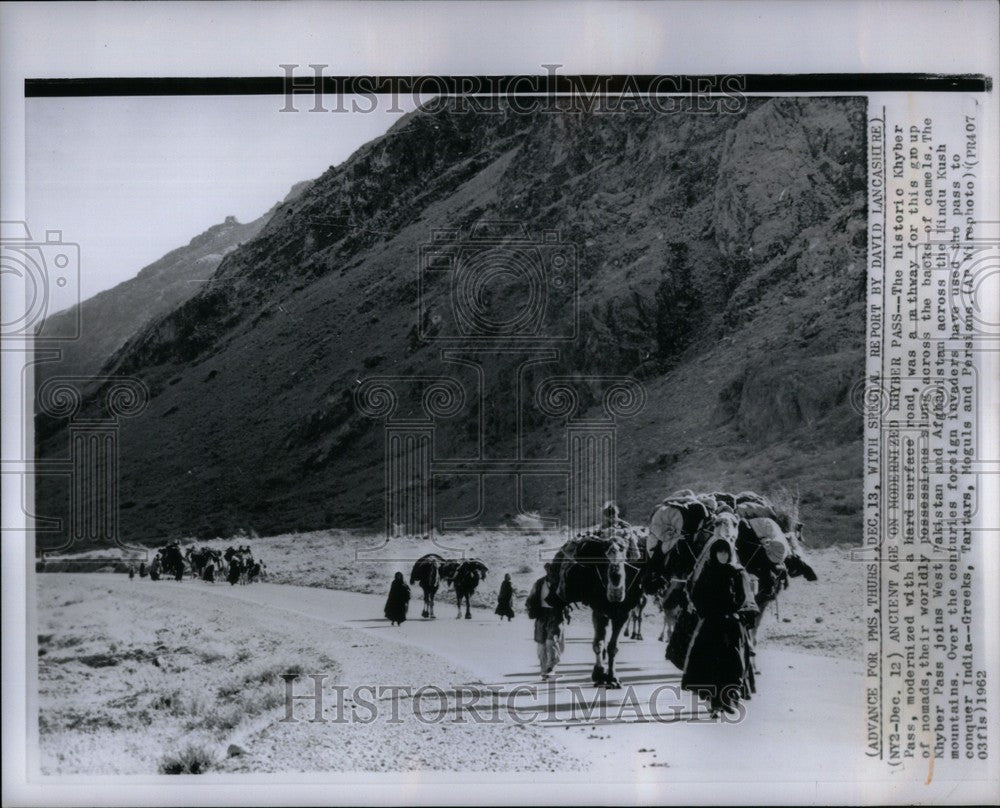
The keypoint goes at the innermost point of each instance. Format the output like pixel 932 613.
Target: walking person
pixel 549 638
pixel 715 667
pixel 505 600
pixel 398 602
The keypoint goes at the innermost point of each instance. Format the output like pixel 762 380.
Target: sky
pixel 129 179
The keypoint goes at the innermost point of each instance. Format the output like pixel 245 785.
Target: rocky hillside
pixel 109 318
pixel 720 259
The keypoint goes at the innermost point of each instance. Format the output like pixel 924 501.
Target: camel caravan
pixel 236 565
pixel 463 575
pixel 712 563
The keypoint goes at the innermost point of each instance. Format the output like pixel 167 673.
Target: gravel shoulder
pixel 191 667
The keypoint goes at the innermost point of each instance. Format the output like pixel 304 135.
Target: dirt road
pixel 797 727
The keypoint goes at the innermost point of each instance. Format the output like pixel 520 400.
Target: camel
pixel 672 568
pixel 672 601
pixel 465 579
pixel 201 560
pixel 766 540
pixel 604 572
pixel 173 561
pixel 427 572
pixel 772 556
pixel 634 628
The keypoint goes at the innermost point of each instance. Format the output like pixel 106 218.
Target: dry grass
pixel 166 680
pixel 193 759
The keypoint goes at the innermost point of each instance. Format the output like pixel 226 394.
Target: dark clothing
pixel 398 602
pixel 680 638
pixel 717 657
pixel 142 570
pixel 505 600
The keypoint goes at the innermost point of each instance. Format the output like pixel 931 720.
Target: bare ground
pixel 156 671
pixel 132 674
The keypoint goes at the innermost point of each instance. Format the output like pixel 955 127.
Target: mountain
pixel 720 259
pixel 109 318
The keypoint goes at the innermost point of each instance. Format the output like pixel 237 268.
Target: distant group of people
pixel 236 565
pixel 168 561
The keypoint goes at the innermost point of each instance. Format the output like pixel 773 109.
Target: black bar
pixel 304 75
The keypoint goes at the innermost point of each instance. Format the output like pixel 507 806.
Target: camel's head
pixel 616 555
pixel 725 525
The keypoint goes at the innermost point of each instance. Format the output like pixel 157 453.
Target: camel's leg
pixel 468 607
pixel 431 606
pixel 637 634
pixel 611 680
pixel 600 621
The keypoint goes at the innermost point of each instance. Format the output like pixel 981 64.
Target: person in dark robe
pixel 715 667
pixel 505 600
pixel 398 602
pixel 235 570
pixel 142 569
pixel 131 572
